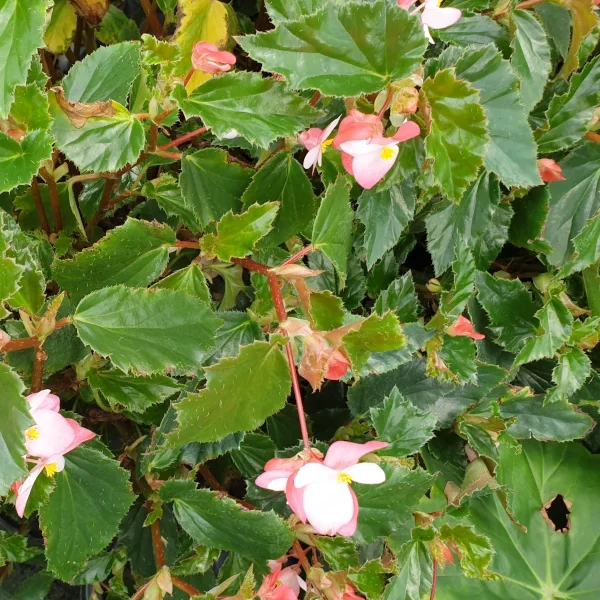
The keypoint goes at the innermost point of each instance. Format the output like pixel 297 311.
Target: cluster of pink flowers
pixel 47 442
pixel 318 489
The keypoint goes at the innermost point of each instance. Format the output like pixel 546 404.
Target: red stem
pixel 386 104
pixel 188 76
pixel 316 97
pixel 292 259
pixel 185 587
pixel 159 551
pixel 31 342
pixel 184 138
pixel 434 580
pixel 184 244
pixel 251 265
pixel 141 591
pixel 37 376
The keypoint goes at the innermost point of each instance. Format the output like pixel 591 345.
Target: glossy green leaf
pixel 454 300
pixel 266 384
pixel 326 310
pixel 144 331
pixel 401 298
pixel 12 441
pixel 333 226
pixel 587 248
pixel 238 234
pixel 14 548
pixel 91 496
pixel 21 24
pixel 473 29
pixel 134 254
pixel 530 58
pixel 370 578
pixel 345 49
pixel 106 74
pixel 135 394
pixel 253 453
pixel 385 215
pixel 282 179
pixel 221 523
pixel 405 427
pixel 190 280
pixel 573 368
pixel 211 185
pixel 458 138
pixel 238 329
pixel 569 114
pixel 527 225
pixel 260 110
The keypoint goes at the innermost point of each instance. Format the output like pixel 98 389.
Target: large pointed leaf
pixel 147 331
pixel 535 561
pixel 345 49
pixel 249 388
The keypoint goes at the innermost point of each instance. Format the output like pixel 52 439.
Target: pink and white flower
pixel 328 502
pixel 433 16
pixel 280 583
pixel 356 126
pixel 462 327
pixel 316 140
pixel 372 159
pixel 208 58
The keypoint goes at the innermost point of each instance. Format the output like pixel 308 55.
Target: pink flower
pixel 372 159
pixel 49 439
pixel 316 142
pixel 328 502
pixel 337 366
pixel 433 15
pixel 463 327
pixel 281 584
pixel 208 58
pixel 549 170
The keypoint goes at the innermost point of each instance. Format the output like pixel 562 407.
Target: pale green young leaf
pixel 345 49
pixel 134 254
pixel 259 109
pixel 453 361
pixel 401 298
pixel 263 372
pixel 30 109
pixel 238 234
pixel 190 280
pixel 326 310
pixel 147 332
pixel 332 229
pixel 569 375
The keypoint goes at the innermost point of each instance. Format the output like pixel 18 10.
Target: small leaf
pixel 401 298
pixel 190 280
pixel 332 228
pixel 249 388
pixel 345 49
pixel 474 550
pixel 116 27
pixel 458 138
pixel 238 234
pixel 30 109
pixel 326 311
pixel 221 523
pixel 573 368
pixel 405 427
pixel 587 248
pixel 144 331
pixel 61 28
pixel 14 549
pixel 473 30
pixel 527 225
pixel 584 20
pixel 260 110
pixel 134 254
pixel 454 301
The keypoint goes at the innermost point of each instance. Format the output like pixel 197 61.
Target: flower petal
pixel 289 577
pixel 342 455
pixel 349 529
pixel 366 473
pixel 25 489
pixel 275 481
pixel 329 506
pixel 440 18
pixel 359 147
pixel 327 131
pixel 314 473
pixel 55 434
pixel 312 157
pixel 295 498
pixel 370 169
pixel 43 399
pixel 81 435
pixel 406 131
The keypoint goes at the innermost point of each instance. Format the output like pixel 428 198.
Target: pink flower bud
pixel 462 327
pixel 208 58
pixel 337 366
pixel 549 170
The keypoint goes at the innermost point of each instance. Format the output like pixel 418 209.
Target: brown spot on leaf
pixel 92 11
pixel 79 113
pixel 556 513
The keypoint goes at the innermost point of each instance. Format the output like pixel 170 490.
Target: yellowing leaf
pixel 62 26
pixel 584 21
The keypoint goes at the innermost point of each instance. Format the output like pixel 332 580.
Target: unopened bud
pixel 434 286
pixel 502 275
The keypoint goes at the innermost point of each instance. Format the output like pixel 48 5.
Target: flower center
pixel 344 478
pixel 51 469
pixel 32 433
pixel 387 153
pixel 325 144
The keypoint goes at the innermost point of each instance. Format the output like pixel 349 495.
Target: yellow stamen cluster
pixel 387 153
pixel 51 469
pixel 344 478
pixel 325 144
pixel 32 433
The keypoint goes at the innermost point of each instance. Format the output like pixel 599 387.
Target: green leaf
pixel 573 368
pixel 326 310
pixel 370 578
pixel 91 496
pixel 587 248
pixel 530 58
pixel 574 201
pixel 134 394
pixel 511 152
pixel 458 138
pixel 385 507
pixel 16 421
pixel 555 325
pixel 134 254
pixel 473 29
pixel 253 453
pixel 457 356
pixel 20 161
pixel 510 308
pixel 234 283
pixel 106 74
pixel 527 225
pixel 339 552
pixel 30 108
pixel 190 280
pixel 345 49
pixel 532 558
pixel 22 25
pixel 221 523
pixel 474 550
pixel 332 229
pixel 61 28
pixel 385 215
pixel 238 234
pixel 260 110
pixel 405 427
pixel 14 548
pixel 400 297
pixel 144 331
pixel 584 20
pixel 238 329
pixel 282 179
pixel 454 301
pixel 266 384
pixel 102 143
pixel 281 11
pixel 569 114
pixel 167 193
pixel 211 185
pixel 558 421
pixel 116 27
